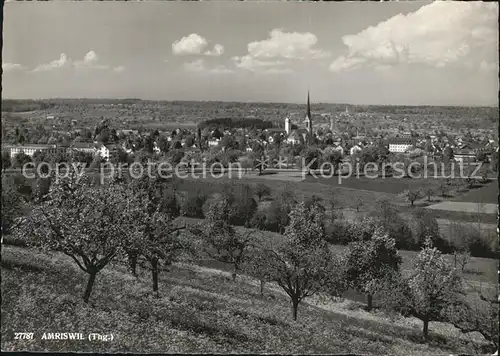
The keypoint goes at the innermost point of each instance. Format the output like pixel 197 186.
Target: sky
pixel 391 53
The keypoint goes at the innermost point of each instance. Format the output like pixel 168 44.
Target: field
pixel 388 185
pixel 466 207
pixel 200 310
pixel 346 197
pixel 487 194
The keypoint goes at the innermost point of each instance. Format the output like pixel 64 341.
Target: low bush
pixel 339 232
pixel 193 205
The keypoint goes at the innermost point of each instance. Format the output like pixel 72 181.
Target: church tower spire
pixel 309 120
pixel 308 106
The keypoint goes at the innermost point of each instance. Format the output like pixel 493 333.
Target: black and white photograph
pixel 250 177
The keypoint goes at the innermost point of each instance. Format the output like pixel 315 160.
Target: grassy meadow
pixel 200 309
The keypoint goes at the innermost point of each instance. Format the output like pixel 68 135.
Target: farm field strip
pixel 465 207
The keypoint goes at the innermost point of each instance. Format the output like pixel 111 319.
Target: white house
pixel 83 147
pixel 103 152
pixel 355 149
pixel 401 144
pixel 213 142
pixel 30 149
pixel 127 148
pixel 106 151
pixel 293 138
pixel 339 148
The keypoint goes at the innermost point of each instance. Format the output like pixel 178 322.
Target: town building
pixel 401 144
pixel 301 135
pixel 288 126
pixel 85 147
pixel 308 121
pixel 107 151
pixel 30 149
pixel 355 149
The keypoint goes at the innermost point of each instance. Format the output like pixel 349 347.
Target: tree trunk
pixel 295 306
pixel 90 284
pixel 369 302
pixel 154 272
pixel 234 273
pixel 426 327
pixel 262 288
pixel 132 259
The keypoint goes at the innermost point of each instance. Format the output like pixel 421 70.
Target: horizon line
pixel 249 102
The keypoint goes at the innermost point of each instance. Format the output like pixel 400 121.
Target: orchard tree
pixel 235 205
pixel 443 189
pixel 273 218
pixel 262 190
pixel 462 234
pixel 312 157
pixel 5 161
pixel 13 204
pixel 84 222
pixel 428 191
pixel 424 225
pixel 221 242
pixel 411 195
pixel 20 160
pixel 358 203
pixel 480 316
pixel 429 292
pixel 156 236
pixel 256 264
pixel 302 263
pixel 367 262
pixel 334 158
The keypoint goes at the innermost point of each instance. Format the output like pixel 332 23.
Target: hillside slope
pixel 200 310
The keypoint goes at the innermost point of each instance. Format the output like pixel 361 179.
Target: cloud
pixel 194 66
pixel 221 70
pixel 55 64
pixel 440 34
pixel 278 70
pixel 118 69
pixel 90 61
pixel 8 67
pixel 280 49
pixel 488 66
pixel 249 63
pixel 216 51
pixel 198 66
pixel 343 63
pixel 289 45
pixel 195 44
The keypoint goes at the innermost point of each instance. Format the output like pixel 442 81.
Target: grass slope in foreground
pixel 200 310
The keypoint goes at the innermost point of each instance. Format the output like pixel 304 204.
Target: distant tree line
pixel 230 123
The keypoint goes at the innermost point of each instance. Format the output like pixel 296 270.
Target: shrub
pixel 339 232
pixel 193 205
pixel 259 220
pixel 479 246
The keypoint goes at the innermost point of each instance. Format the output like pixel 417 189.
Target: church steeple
pixel 308 106
pixel 308 120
